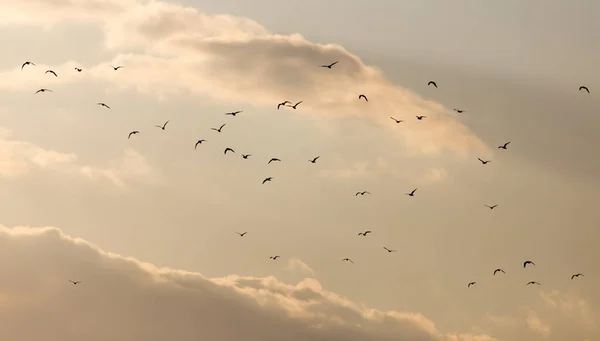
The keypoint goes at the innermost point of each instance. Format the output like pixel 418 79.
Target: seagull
pixel 491 207
pixel 283 104
pixel 469 285
pixel 347 260
pixel 242 234
pixel 363 96
pixel 584 88
pixel 397 121
pixel 132 133
pixel 329 66
pixel 458 111
pixel 52 72
pixel 274 257
pixel 388 250
pixel 528 262
pixel 364 234
pixel 499 270
pixel 421 117
pixel 197 143
pixel 504 145
pixel 233 113
pixel 362 193
pixel 43 90
pixel 103 104
pixel 116 67
pixel 27 63
pixel 219 130
pixel 163 126
pixel 533 282
pixel 273 159
pixel 75 282
pixel 432 83
pixel 412 194
pixel 484 162
pixel 267 180
pixel 576 275
pixel 228 150
pixel 78 69
pixel 245 156
pixel 314 160
pixel 293 106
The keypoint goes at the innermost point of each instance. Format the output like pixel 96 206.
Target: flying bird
pixel 75 282
pixel 132 133
pixel 162 126
pixel 228 150
pixel 458 111
pixel 499 270
pixel 432 83
pixel 219 130
pixel 330 65
pixel 273 159
pixel 43 90
pixel 233 113
pixel 361 193
pixel 469 285
pixel 293 106
pixel 283 104
pixel 27 63
pixel 78 69
pixel 245 156
pixel 421 117
pixel 364 234
pixel 528 262
pixel 388 250
pixel 197 143
pixel 533 282
pixel 267 180
pixel 52 72
pixel 504 145
pixel 116 67
pixel 484 162
pixel 491 207
pixel 576 275
pixel 347 260
pixel 242 234
pixel 103 104
pixel 274 257
pixel 412 194
pixel 397 121
pixel 363 96
pixel 584 88
pixel 314 160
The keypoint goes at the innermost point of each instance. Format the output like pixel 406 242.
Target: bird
pixel 132 133
pixel 432 83
pixel 397 121
pixel 43 90
pixel 267 180
pixel 528 262
pixel 283 104
pixel 484 162
pixel 584 88
pixel 330 65
pixel 314 160
pixel 274 257
pixel 197 143
pixel 245 156
pixel 576 275
pixel 388 250
pixel 293 106
pixel 228 150
pixel 458 111
pixel 75 282
pixel 504 145
pixel 363 96
pixel 533 282
pixel 362 193
pixel 273 159
pixel 78 69
pixel 103 104
pixel 412 194
pixel 116 67
pixel 421 117
pixel 242 234
pixel 347 260
pixel 499 270
pixel 162 126
pixel 27 63
pixel 233 113
pixel 52 72
pixel 491 207
pixel 364 234
pixel 469 285
pixel 219 130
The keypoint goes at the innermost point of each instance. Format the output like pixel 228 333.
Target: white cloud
pixel 534 323
pixel 361 169
pixel 294 264
pixel 433 175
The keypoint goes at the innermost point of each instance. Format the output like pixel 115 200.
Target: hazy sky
pixel 78 196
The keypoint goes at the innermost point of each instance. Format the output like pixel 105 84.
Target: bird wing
pixel 164 125
pixel 332 64
pixel 221 127
pixel 22 66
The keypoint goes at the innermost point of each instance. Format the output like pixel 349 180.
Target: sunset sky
pixel 148 224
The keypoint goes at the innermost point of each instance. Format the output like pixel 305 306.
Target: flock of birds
pixel 288 104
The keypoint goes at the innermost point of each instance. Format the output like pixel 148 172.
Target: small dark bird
pixel 52 72
pixel 432 83
pixel 347 260
pixel 528 262
pixel 274 257
pixel 459 111
pixel 491 207
pixel 219 130
pixel 484 162
pixel 116 67
pixel 504 145
pixel 314 160
pixel 245 156
pixel 533 282
pixel 75 282
pixel 469 285
pixel 293 106
pixel 162 126
pixel 78 69
pixel 361 193
pixel 233 113
pixel 397 121
pixel 364 97
pixel 132 133
pixel 242 234
pixel 330 65
pixel 283 104
pixel 267 180
pixel 43 90
pixel 364 234
pixel 273 159
pixel 103 104
pixel 584 88
pixel 388 250
pixel 197 143
pixel 576 275
pixel 421 117
pixel 27 63
pixel 412 194
pixel 499 270
pixel 228 150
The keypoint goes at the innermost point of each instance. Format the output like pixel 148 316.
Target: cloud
pixel 169 48
pixel 142 302
pixel 534 323
pixel 433 175
pixel 361 169
pixel 294 264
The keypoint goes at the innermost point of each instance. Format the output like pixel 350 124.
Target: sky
pixel 148 224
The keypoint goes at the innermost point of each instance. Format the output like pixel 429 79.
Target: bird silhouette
pixel 364 234
pixel 274 257
pixel 228 150
pixel 491 207
pixel 499 270
pixel 576 275
pixel 75 282
pixel 293 106
pixel 116 67
pixel 484 162
pixel 432 83
pixel 388 250
pixel 504 145
pixel 52 72
pixel 533 282
pixel 162 126
pixel 412 194
pixel 233 113
pixel 397 121
pixel 103 105
pixel 78 69
pixel 43 90
pixel 458 111
pixel 584 88
pixel 283 104
pixel 27 63
pixel 363 96
pixel 314 160
pixel 347 260
pixel 421 117
pixel 242 234
pixel 219 130
pixel 528 262
pixel 329 66
pixel 274 160
pixel 362 193
pixel 245 156
pixel 472 283
pixel 267 180
pixel 197 143
pixel 132 133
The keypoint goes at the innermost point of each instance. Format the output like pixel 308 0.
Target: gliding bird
pixel 363 96
pixel 219 130
pixel 329 66
pixel 163 126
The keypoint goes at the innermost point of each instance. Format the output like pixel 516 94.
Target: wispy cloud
pixel 294 264
pixel 537 325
